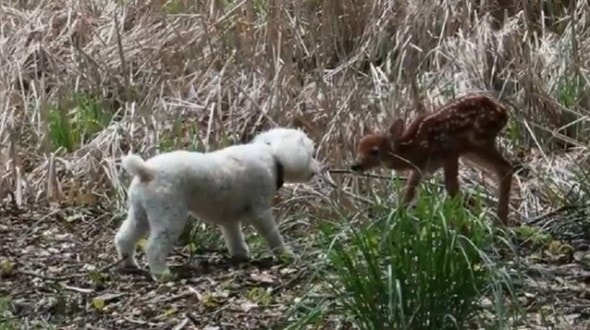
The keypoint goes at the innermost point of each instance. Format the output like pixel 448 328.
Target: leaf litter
pixel 55 276
pixel 82 288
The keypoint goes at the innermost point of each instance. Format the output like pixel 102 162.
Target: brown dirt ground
pixel 58 269
pixel 60 260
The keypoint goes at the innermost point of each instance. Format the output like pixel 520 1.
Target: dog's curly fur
pixel 227 188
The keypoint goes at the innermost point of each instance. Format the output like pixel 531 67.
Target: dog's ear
pixel 307 144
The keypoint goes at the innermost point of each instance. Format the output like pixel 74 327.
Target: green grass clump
pixel 7 321
pixel 74 121
pixel 415 270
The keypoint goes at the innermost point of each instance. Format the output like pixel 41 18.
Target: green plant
pixel 569 91
pixel 7 321
pixel 198 237
pixel 416 271
pixel 534 235
pixel 73 121
pixel 175 7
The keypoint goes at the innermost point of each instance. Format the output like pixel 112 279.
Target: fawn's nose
pixel 355 167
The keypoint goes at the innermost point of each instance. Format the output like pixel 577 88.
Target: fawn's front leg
pixel 409 191
pixel 451 177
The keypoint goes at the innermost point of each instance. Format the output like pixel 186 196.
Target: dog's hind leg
pixel 166 225
pixel 133 227
pixel 266 226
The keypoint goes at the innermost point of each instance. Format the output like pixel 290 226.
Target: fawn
pixel 465 127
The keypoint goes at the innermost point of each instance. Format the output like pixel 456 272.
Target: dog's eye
pixel 374 152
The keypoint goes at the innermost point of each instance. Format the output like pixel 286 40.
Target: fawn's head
pixel 379 149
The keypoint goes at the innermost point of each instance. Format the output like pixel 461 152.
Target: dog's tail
pixel 136 166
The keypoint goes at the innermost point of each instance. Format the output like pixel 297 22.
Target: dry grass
pixel 82 83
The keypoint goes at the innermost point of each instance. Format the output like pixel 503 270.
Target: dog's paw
pixel 165 276
pixel 239 259
pixel 287 256
pixel 127 262
pixel 128 270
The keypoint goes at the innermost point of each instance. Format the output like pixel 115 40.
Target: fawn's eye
pixel 374 152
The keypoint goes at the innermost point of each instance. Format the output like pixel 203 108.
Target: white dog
pixel 226 187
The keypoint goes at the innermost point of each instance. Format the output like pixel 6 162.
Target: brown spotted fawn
pixel 465 127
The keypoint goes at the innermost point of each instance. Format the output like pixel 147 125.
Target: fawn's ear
pixel 366 129
pixel 396 129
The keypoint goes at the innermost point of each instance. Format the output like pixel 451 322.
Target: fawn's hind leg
pixel 492 159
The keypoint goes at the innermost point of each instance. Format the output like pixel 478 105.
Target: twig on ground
pixel 182 323
pixel 47 216
pixel 374 176
pixel 49 277
pixel 174 298
pixel 111 265
pixel 193 320
pixel 77 289
pixel 287 284
pixel 70 276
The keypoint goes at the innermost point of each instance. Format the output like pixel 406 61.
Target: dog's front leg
pixel 266 226
pixel 234 239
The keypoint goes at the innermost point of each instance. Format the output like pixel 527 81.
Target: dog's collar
pixel 280 174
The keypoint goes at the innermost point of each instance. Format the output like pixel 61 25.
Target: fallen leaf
pixel 263 277
pixel 101 301
pixel 288 270
pixel 208 300
pixel 6 267
pixel 259 295
pixel 248 305
pixel 170 311
pixel 142 243
pixel 582 257
pixel 98 303
pixel 554 247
